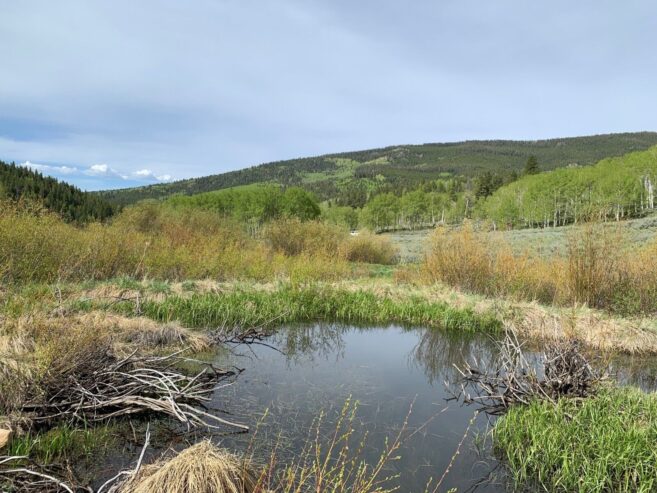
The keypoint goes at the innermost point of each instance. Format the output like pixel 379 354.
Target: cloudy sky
pixel 109 94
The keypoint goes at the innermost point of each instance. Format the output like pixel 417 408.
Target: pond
pixel 390 372
pixel 304 371
pixel 395 375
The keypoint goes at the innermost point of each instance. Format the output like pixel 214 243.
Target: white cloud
pixel 99 174
pixel 98 170
pixel 45 168
pixel 147 174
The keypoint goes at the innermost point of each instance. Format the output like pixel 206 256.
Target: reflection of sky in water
pixel 387 371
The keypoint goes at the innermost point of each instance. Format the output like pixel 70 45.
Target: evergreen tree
pixel 531 167
pixel 71 203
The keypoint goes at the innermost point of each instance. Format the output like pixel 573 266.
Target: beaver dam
pixel 386 389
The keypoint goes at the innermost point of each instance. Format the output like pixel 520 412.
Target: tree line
pixel 613 189
pixel 254 205
pixel 71 203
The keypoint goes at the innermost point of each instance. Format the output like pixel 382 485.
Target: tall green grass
pixel 310 304
pixel 601 444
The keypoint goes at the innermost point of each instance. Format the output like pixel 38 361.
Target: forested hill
pixel 403 167
pixel 74 205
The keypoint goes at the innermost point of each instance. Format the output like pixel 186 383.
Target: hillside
pixel 403 166
pixel 71 203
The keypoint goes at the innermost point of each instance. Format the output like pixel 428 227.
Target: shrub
pixel 370 248
pixel 154 241
pixel 294 237
pixel 599 269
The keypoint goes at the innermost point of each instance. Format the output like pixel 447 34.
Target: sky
pixel 110 94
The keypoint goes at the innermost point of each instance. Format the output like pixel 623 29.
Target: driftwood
pixel 562 371
pixel 101 386
pixel 17 473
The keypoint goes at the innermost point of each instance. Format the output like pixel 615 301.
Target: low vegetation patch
pixel 604 443
pixel 310 304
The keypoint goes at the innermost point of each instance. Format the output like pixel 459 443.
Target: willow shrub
pixel 316 238
pixel 599 269
pixel 147 240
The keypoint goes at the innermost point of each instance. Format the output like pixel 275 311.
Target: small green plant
pixel 189 286
pixel 159 287
pixel 62 442
pixel 126 282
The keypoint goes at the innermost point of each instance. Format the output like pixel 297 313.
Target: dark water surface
pixel 303 372
pixel 389 371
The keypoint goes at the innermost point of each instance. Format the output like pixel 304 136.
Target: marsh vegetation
pixel 210 321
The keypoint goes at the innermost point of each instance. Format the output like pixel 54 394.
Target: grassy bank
pixel 287 304
pixel 600 444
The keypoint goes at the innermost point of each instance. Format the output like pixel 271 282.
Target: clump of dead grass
pixel 202 468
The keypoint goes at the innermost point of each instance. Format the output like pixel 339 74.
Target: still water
pixel 391 372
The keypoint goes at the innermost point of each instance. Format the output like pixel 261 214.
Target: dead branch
pixel 21 478
pixel 100 386
pixel 515 380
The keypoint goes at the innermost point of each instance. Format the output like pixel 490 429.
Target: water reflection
pixel 387 370
pixel 439 354
pixel 317 368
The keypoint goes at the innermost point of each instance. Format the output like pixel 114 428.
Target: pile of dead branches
pixel 97 386
pixel 560 371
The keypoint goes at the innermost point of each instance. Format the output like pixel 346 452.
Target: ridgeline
pixel 349 177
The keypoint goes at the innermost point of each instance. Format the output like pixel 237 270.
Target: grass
pixel 61 443
pixel 541 242
pixel 600 444
pixel 200 468
pixel 310 304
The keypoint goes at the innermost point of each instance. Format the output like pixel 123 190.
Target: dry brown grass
pixel 599 269
pixel 530 319
pixel 202 468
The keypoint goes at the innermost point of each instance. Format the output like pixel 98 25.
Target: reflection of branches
pixel 636 371
pixel 438 353
pixel 321 340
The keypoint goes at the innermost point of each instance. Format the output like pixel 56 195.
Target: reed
pixel 290 304
pixel 600 444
